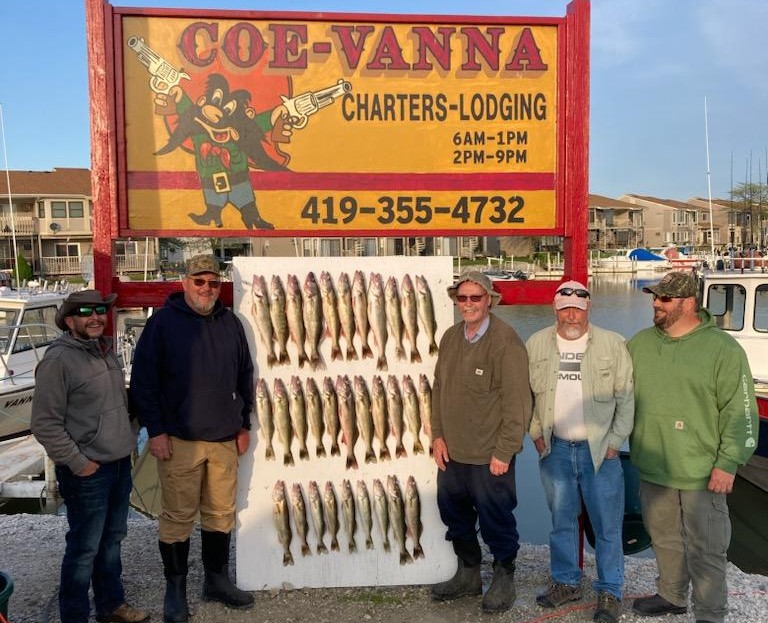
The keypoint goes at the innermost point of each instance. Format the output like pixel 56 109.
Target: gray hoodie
pixel 80 406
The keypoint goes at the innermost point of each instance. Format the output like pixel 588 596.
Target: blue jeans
pixel 569 477
pixel 468 493
pixel 97 513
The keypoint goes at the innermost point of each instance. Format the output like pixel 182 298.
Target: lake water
pixel 618 304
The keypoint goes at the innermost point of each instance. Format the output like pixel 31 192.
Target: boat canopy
pixel 644 255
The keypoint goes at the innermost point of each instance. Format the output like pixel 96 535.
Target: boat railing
pixel 22 347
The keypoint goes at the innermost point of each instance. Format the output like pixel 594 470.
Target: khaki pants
pixel 200 476
pixel 690 532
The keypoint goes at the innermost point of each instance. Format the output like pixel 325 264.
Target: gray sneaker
pixel 608 606
pixel 558 594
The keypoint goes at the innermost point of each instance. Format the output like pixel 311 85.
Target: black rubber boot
pixel 206 217
pixel 175 557
pixel 217 586
pixel 501 594
pixel 466 580
pixel 252 219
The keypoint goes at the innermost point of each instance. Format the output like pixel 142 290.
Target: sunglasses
pixel 664 299
pixel 215 284
pixel 86 312
pixel 582 294
pixel 475 298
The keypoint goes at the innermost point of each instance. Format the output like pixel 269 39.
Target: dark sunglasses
pixel 664 299
pixel 213 283
pixel 475 298
pixel 582 294
pixel 86 312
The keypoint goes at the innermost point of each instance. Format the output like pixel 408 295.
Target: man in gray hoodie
pixel 80 416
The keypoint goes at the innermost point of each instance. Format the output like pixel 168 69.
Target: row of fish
pixel 345 408
pixel 342 309
pixel 392 509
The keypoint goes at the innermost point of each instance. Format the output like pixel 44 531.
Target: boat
pixel 738 301
pixel 679 259
pixel 631 261
pixel 27 328
pixel 502 282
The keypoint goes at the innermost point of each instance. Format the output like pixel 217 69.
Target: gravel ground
pixel 31 547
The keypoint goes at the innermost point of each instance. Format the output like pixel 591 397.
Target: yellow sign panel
pixel 227 118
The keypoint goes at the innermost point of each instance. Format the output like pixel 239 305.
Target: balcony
pixel 24 225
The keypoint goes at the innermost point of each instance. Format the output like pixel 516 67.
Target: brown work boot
pixel 608 607
pixel 501 594
pixel 466 581
pixel 124 613
pixel 557 594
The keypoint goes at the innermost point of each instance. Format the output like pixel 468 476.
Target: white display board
pixel 262 560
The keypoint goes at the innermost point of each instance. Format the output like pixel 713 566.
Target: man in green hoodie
pixel 695 424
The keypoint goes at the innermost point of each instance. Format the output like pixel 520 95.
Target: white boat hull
pixel 15 411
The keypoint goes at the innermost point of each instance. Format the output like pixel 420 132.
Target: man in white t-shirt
pixel 581 378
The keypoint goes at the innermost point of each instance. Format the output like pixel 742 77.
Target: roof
pixel 48 183
pixel 600 201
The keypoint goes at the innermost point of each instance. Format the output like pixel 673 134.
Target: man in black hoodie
pixel 192 387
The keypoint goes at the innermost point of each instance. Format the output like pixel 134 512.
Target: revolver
pixel 163 73
pixel 302 106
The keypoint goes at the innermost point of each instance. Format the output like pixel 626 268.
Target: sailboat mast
pixel 709 184
pixel 10 197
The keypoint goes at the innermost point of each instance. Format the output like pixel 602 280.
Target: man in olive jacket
pixel 481 408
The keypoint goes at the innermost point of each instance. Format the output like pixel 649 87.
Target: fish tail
pixel 367 352
pixel 271 360
pixel 387 546
pixel 288 458
pixel 270 453
pixel 287 559
pixel 384 454
pixel 320 450
pixel 399 353
pixel 381 363
pixel 335 450
pixel 418 551
pixel 304 359
pixel 369 543
pixel 418 447
pixel 336 353
pixel 283 358
pixel 405 557
pixel 370 456
pixel 415 355
pixel 352 546
pixel 351 352
pixel 304 453
pixel 433 348
pixel 335 544
pixel 321 548
pixel 305 551
pixel 351 461
pixel 400 450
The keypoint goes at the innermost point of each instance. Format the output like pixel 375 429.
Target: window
pixel 761 309
pixel 58 209
pixel 126 248
pixel 726 303
pixel 63 249
pixel 76 209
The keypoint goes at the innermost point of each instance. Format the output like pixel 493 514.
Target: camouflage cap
pixel 202 263
pixel 675 284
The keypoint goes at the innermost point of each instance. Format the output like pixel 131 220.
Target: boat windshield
pixel 38 328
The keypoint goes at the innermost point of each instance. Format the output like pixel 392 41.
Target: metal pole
pixel 709 185
pixel 10 199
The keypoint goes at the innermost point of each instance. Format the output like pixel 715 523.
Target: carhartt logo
pixel 750 442
pixel 679 425
pixel 478 372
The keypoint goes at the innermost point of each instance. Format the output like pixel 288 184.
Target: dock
pixel 25 471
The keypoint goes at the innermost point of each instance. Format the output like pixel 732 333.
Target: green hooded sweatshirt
pixel 695 405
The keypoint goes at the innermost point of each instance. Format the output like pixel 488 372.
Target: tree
pixel 23 270
pixel 751 200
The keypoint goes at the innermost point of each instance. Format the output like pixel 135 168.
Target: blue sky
pixel 653 64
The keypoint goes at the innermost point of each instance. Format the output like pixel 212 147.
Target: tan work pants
pixel 200 477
